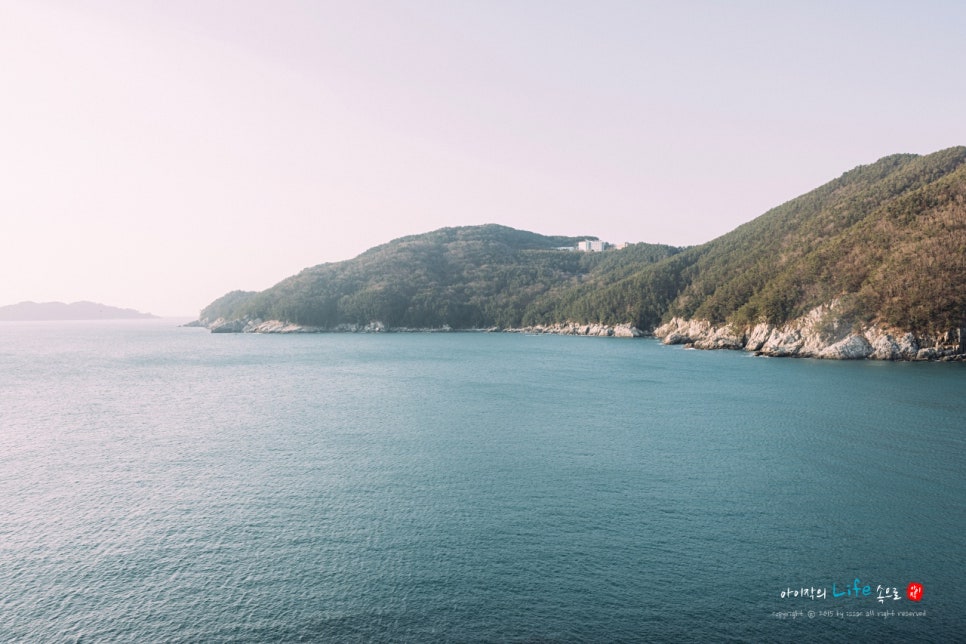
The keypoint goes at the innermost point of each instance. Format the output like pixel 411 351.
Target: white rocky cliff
pixel 821 333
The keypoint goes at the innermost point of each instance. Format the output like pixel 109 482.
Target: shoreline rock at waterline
pixel 821 333
pixel 594 330
pixel 222 325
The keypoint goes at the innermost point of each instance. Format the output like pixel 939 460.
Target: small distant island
pixel 45 311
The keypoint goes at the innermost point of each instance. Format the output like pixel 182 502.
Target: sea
pixel 165 484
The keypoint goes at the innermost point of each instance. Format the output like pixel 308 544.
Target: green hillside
pixel 888 238
pixel 887 241
pixel 468 277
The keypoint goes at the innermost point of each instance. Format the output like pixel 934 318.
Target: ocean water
pixel 163 484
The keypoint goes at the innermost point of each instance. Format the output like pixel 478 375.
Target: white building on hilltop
pixel 591 246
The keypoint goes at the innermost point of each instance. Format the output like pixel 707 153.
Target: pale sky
pixel 157 154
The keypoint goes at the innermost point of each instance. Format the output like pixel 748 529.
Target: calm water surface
pixel 165 484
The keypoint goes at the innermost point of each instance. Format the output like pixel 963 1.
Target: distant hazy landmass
pixel 34 311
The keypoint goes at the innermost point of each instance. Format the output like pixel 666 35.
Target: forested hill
pixel 467 277
pixel 885 242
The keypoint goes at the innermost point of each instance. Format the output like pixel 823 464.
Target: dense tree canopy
pixel 469 277
pixel 887 239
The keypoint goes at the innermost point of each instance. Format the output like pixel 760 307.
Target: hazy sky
pixel 157 154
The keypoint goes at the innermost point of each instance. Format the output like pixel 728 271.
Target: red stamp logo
pixel 914 592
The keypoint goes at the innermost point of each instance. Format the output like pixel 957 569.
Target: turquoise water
pixel 166 484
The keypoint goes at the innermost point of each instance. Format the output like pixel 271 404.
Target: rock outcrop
pixel 221 325
pixel 821 333
pixel 573 328
pixel 247 325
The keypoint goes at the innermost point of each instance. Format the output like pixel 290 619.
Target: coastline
pixel 221 325
pixel 822 333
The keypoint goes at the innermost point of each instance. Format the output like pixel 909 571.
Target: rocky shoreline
pixel 571 328
pixel 221 325
pixel 821 333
